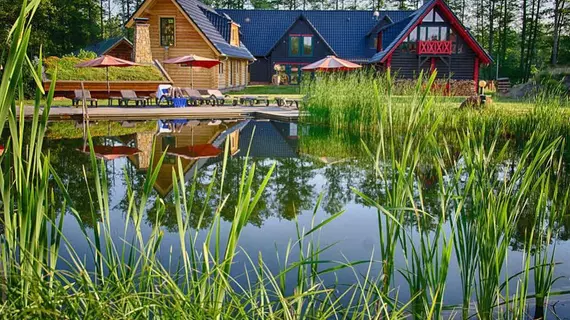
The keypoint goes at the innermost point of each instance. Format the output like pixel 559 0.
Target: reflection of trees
pixel 292 191
pixel 68 162
pixel 340 177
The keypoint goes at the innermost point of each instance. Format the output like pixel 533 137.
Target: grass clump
pixel 354 101
pixel 66 70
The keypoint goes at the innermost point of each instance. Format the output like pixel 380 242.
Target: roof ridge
pixel 314 10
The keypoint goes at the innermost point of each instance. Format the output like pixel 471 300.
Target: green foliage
pixel 66 70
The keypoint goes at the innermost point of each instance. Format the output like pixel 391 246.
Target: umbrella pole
pixel 108 86
pixel 192 76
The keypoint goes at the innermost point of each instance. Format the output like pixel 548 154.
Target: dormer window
pixel 234 34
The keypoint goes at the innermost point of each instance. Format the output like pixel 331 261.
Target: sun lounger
pixel 290 102
pixel 130 95
pixel 194 96
pixel 252 100
pixel 79 97
pixel 218 98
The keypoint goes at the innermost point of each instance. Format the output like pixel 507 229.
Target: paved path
pixel 144 113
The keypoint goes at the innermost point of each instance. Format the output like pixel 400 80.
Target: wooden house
pixel 165 29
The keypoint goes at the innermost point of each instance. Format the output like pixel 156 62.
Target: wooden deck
pixel 149 113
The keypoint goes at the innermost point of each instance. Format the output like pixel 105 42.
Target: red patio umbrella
pixel 199 151
pixel 111 152
pixel 106 61
pixel 331 63
pixel 193 61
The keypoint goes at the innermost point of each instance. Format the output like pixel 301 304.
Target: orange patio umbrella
pixel 193 61
pixel 331 63
pixel 106 61
pixel 199 151
pixel 111 152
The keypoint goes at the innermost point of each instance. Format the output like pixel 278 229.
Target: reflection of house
pixel 192 133
pixel 270 140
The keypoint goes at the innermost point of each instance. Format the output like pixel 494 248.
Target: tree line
pixel 523 36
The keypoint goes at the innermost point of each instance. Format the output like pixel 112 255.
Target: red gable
pixel 457 26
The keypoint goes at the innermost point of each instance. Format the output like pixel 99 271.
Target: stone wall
pixel 142 46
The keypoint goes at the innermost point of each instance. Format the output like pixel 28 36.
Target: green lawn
pixel 506 105
pixel 268 90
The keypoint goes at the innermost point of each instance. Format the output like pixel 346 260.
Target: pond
pixel 310 162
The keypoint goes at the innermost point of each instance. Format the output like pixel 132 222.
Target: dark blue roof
pixel 100 48
pixel 345 31
pixel 205 18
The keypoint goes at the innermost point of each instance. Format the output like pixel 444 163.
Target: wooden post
pixel 476 74
pixel 379 42
pixel 432 64
pixel 389 62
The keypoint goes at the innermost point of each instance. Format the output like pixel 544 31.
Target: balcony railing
pixel 434 47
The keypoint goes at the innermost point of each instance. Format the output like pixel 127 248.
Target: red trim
pixel 379 42
pixel 455 24
pixel 432 64
pixel 389 61
pixel 434 47
pixel 300 35
pixel 476 74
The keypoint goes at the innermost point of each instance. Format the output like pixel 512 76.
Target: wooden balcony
pixel 434 47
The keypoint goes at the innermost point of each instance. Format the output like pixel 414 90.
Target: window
pixel 294 47
pixel 428 17
pixel 433 33
pixel 437 17
pixel 234 35
pixel 413 36
pixel 410 45
pixel 221 68
pixel 300 46
pixel 166 32
pixel 307 46
pixel 443 34
pixel 231 75
pixel 432 16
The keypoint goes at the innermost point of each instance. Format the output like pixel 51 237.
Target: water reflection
pixel 308 160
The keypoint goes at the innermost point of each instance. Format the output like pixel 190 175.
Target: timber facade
pixel 167 29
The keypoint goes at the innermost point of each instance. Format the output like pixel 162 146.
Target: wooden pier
pixel 149 113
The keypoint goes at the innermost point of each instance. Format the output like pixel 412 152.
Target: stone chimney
pixel 142 52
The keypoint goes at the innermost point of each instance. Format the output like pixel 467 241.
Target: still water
pixel 310 162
